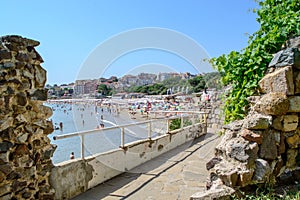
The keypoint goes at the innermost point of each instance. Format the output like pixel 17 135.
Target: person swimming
pixel 72 155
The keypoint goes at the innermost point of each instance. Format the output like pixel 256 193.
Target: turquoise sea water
pixel 82 117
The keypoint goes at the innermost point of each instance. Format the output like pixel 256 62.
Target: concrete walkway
pixel 176 174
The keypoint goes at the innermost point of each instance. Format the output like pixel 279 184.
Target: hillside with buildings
pixel 172 82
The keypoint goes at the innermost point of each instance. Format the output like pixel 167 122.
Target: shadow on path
pixel 107 188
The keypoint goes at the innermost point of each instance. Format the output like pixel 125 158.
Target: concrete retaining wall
pixel 73 177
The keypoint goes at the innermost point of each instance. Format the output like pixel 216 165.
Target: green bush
pixel 175 124
pixel 279 20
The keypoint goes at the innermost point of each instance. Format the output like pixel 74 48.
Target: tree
pixel 197 83
pixel 104 90
pixel 279 20
pixel 213 80
pixel 153 89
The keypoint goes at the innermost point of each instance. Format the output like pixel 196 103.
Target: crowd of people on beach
pixel 134 106
pixel 142 108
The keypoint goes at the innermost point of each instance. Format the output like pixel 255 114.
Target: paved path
pixel 176 174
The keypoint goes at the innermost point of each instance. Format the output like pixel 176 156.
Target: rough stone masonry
pixel 264 148
pixel 25 149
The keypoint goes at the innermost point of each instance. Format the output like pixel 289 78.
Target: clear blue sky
pixel 70 30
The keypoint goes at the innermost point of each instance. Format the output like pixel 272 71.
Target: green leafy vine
pixel 279 20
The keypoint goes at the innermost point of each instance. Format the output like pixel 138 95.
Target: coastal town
pixel 120 87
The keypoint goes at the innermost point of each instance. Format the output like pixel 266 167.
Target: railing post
pixel 193 119
pixel 200 118
pixel 181 121
pixel 122 137
pixel 149 130
pixel 82 146
pixel 168 125
pixel 205 123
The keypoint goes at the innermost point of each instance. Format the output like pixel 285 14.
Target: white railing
pixel 157 115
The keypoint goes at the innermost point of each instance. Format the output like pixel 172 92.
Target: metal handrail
pixel 58 137
pixel 122 127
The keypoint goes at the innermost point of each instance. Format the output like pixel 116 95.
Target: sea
pixel 78 117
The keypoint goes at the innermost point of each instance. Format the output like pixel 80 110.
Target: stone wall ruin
pixel 25 149
pixel 264 148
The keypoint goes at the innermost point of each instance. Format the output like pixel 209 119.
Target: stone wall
pixel 264 148
pixel 214 108
pixel 25 149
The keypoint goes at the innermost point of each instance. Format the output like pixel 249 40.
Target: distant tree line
pixel 196 84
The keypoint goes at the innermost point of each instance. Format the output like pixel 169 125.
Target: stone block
pixel 234 126
pixel 245 177
pixel 285 57
pixel 236 150
pixel 22 57
pixel 22 138
pixel 278 167
pixel 281 148
pixel 5 189
pixel 6 169
pixel 272 104
pixel 280 80
pixel 286 178
pixel 14 175
pixel 4 158
pixel 291 158
pixel 251 151
pixel 293 141
pixel 8 65
pixel 39 94
pixel 20 99
pixel 4 54
pixel 21 150
pixel 26 195
pixel 297 59
pixel 294 104
pixel 268 149
pixel 49 152
pixel 262 171
pixel 296 173
pixel 5 146
pixel 43 112
pixel 297 81
pixel 251 136
pixel 286 123
pixel 229 178
pixel 18 185
pixel 257 122
pixel 222 192
pixel 210 164
pixel 20 41
pixel 293 42
pixel 217 112
pixel 40 76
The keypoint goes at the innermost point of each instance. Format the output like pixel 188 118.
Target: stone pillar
pixel 25 149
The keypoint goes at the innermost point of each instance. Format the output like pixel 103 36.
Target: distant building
pixel 140 79
pixel 187 75
pixel 112 79
pixel 163 76
pixel 90 87
pixel 146 79
pixel 85 87
pixel 128 80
